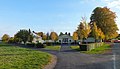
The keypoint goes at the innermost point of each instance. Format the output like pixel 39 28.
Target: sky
pixel 49 15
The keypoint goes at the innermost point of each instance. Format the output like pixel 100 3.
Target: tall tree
pixel 30 36
pixel 97 32
pixel 94 31
pixel 54 36
pixel 48 36
pixel 23 35
pixel 105 19
pixel 75 36
pixel 60 34
pixel 69 34
pixel 83 29
pixel 5 38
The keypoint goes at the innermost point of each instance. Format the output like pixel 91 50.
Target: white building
pixel 65 39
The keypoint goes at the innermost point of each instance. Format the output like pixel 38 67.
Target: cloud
pixel 113 3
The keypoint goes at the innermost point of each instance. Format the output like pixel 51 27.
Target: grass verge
pixel 12 57
pixel 75 48
pixel 53 48
pixel 100 50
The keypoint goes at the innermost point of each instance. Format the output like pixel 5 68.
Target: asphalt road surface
pixel 71 59
pixel 68 59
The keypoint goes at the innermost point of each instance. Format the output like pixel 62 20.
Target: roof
pixel 65 36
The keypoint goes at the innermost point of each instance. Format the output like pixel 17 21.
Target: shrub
pixel 30 44
pixel 40 45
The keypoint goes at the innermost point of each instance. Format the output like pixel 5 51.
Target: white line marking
pixel 114 59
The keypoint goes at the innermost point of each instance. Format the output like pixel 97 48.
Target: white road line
pixel 114 59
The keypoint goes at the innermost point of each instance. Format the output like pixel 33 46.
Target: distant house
pixel 37 39
pixel 65 39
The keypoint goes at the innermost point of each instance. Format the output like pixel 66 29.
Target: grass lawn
pixel 12 57
pixel 98 50
pixel 53 48
pixel 75 48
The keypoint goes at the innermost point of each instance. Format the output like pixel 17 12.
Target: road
pixel 116 55
pixel 68 59
pixel 71 59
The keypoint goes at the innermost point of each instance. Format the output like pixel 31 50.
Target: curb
pixel 52 63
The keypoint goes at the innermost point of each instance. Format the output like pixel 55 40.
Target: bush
pixel 40 45
pixel 48 43
pixel 30 44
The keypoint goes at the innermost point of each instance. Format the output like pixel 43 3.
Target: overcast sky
pixel 49 15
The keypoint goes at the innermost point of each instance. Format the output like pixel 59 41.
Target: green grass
pixel 99 50
pixel 53 48
pixel 75 48
pixel 12 57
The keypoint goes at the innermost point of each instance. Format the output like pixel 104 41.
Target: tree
pixel 61 34
pixel 75 36
pixel 5 38
pixel 105 19
pixel 54 36
pixel 48 36
pixel 23 35
pixel 30 36
pixel 44 37
pixel 65 33
pixel 11 40
pixel 97 32
pixel 100 34
pixel 94 31
pixel 69 34
pixel 83 29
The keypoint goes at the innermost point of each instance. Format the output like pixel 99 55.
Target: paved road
pixel 70 59
pixel 116 56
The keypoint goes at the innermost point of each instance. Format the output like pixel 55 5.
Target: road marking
pixel 114 59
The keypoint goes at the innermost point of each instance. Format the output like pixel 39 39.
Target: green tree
pixel 75 36
pixel 22 35
pixel 5 38
pixel 105 19
pixel 61 34
pixel 54 36
pixel 11 40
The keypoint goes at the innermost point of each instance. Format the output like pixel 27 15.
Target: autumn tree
pixel 44 37
pixel 105 20
pixel 75 36
pixel 101 34
pixel 54 36
pixel 97 32
pixel 5 38
pixel 83 29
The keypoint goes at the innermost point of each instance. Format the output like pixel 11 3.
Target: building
pixel 65 39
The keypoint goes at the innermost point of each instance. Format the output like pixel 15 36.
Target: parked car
pixel 116 41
